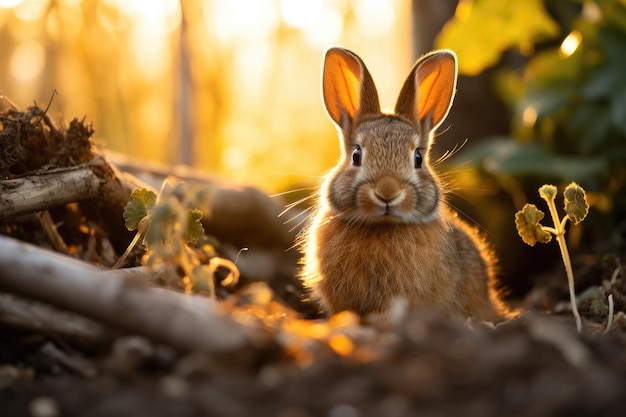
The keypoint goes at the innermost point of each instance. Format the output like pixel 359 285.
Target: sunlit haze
pixel 229 87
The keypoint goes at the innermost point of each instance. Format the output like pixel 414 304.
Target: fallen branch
pixel 30 315
pixel 43 191
pixel 159 275
pixel 189 323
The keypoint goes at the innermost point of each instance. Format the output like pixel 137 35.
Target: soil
pixel 536 365
pixel 413 363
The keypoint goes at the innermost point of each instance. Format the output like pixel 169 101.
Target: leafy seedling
pixel 169 226
pixel 527 222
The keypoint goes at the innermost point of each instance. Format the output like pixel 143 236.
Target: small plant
pixel 170 229
pixel 532 231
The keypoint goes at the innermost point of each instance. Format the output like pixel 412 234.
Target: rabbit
pixel 381 229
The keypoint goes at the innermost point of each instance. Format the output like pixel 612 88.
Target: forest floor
pixel 536 365
pixel 412 363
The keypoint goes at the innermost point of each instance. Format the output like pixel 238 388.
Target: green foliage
pixel 503 156
pixel 576 206
pixel 547 192
pixel 568 101
pixel 140 204
pixel 527 222
pixel 483 29
pixel 194 227
pixel 575 101
pixel 159 222
pixel 528 226
pixel 170 228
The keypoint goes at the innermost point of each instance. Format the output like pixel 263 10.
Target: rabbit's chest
pixel 364 269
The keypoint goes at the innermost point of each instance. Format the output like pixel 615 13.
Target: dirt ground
pixel 535 365
pixel 413 364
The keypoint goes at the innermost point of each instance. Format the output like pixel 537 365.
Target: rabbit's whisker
pixel 306 215
pixel 295 203
pixel 450 153
pixel 298 215
pixel 297 190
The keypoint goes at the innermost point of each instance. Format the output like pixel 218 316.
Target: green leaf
pixel 161 226
pixel 194 227
pixel 590 124
pixel 528 226
pixel 576 205
pixel 482 29
pixel 547 192
pixel 552 83
pixel 506 156
pixel 545 101
pixel 141 202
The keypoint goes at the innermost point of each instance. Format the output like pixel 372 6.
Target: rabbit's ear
pixel 348 88
pixel 427 94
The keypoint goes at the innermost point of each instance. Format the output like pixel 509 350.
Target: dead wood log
pixel 43 191
pixel 186 322
pixel 33 316
pixel 159 275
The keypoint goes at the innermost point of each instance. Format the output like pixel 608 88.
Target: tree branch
pixel 46 190
pixel 183 321
pixel 30 315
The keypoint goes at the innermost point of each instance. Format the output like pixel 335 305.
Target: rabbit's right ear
pixel 427 93
pixel 348 88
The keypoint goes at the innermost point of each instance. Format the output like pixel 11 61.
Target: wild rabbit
pixel 381 229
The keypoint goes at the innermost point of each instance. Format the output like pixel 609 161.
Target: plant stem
pixel 609 323
pixel 130 247
pixel 560 237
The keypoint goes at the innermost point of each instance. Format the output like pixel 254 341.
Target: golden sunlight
pixel 258 21
pixel 27 61
pixel 31 10
pixel 341 344
pixel 199 82
pixel 529 117
pixel 7 4
pixel 570 43
pixel 320 21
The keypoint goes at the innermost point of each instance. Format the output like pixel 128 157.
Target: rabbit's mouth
pixel 384 202
pixel 389 216
pixel 386 213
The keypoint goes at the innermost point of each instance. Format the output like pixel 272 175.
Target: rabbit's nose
pixel 388 190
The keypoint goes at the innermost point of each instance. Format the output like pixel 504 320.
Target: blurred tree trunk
pixel 477 112
pixel 184 94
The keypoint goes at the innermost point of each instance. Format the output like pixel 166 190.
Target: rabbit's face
pixel 384 175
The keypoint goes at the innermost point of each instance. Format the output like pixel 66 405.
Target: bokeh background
pixel 231 87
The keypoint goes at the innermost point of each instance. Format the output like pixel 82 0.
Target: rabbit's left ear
pixel 427 93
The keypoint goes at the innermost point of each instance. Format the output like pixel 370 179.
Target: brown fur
pixel 436 266
pixel 381 229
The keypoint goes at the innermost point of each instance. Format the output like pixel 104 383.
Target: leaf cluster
pixel 528 220
pixel 160 224
pixel 472 31
pixel 574 104
pixel 568 101
pixel 169 227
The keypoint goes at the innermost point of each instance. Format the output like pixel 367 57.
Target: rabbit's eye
pixel 356 156
pixel 418 159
